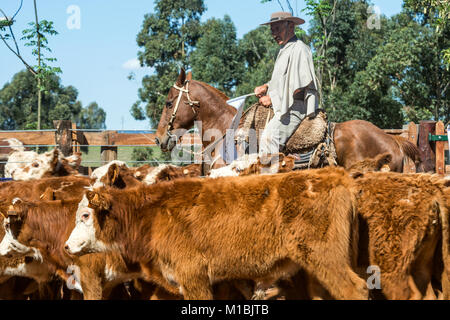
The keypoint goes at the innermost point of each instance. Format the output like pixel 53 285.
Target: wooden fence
pixel 429 136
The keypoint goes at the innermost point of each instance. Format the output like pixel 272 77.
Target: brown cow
pixel 72 187
pixel 403 218
pixel 188 233
pixel 379 163
pixel 55 188
pixel 403 223
pixel 96 275
pixel 40 229
pixel 165 172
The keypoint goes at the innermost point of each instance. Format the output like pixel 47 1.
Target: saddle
pixel 311 144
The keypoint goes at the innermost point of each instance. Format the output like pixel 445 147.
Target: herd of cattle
pixel 166 233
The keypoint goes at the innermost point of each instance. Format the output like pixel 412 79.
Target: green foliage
pixel 38 40
pixel 92 117
pixel 216 59
pixel 167 39
pixel 18 105
pixel 435 13
pixel 152 155
pixel 259 52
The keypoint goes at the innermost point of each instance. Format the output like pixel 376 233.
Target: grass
pixel 91 156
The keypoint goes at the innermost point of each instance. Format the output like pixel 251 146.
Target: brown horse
pixel 189 100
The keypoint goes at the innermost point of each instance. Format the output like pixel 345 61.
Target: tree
pixel 167 39
pixel 92 117
pixel 37 38
pixel 18 104
pixel 437 14
pixel 216 59
pixel 153 155
pixel 259 51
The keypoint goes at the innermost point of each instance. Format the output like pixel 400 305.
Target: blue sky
pixel 98 57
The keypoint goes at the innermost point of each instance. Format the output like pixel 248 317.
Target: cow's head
pixel 89 221
pixel 115 174
pixel 29 165
pixel 379 163
pixel 12 225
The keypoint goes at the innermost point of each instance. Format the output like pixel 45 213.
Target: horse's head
pixel 179 113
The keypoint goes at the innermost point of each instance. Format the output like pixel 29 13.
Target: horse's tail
pixel 408 149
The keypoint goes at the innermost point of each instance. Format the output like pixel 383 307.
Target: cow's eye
pixel 85 216
pixel 35 164
pixel 7 226
pixel 169 104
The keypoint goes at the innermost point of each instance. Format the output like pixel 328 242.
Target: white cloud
pixel 132 64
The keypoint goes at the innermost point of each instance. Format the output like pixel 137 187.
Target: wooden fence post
pixel 75 142
pixel 410 166
pixel 108 153
pixel 440 156
pixel 426 149
pixel 63 136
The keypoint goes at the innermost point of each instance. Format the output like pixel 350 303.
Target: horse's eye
pixel 169 104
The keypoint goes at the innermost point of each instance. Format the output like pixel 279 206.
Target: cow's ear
pixel 97 200
pixel 55 157
pixel 181 78
pixel 48 195
pixel 112 175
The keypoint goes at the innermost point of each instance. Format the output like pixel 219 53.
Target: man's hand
pixel 265 101
pixel 261 90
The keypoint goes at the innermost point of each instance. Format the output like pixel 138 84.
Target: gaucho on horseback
pixel 292 90
pixel 294 125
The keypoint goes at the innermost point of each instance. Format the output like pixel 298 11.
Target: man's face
pixel 282 31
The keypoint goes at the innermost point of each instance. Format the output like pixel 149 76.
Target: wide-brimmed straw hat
pixel 283 16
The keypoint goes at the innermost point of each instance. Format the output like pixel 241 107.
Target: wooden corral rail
pixel 70 139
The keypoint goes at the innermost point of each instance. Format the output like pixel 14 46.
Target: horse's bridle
pixel 189 102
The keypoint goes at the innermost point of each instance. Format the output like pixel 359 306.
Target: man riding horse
pixel 292 93
pixel 292 90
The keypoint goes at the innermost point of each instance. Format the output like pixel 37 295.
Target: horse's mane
pixel 219 93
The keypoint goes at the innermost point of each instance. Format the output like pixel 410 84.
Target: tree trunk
pixel 39 66
pixel 63 136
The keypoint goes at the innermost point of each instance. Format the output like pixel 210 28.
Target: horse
pixel 190 100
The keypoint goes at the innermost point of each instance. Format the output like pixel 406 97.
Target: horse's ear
pixel 189 76
pixel 181 78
